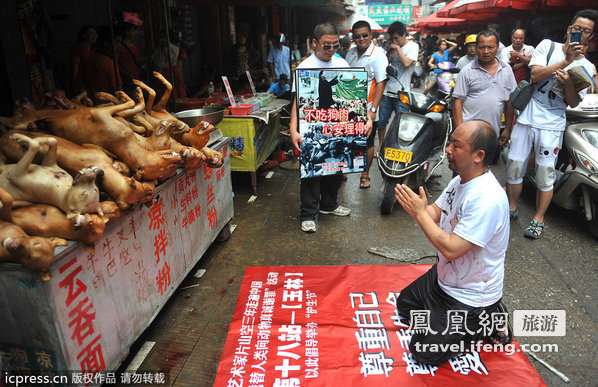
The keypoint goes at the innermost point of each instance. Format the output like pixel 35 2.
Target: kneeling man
pixel 469 226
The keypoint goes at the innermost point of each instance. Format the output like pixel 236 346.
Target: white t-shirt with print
pixel 393 86
pixel 477 211
pixel 312 62
pixel 546 110
pixel 374 61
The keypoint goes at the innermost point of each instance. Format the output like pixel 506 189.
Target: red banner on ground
pixel 338 326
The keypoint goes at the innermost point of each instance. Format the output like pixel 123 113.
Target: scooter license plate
pixel 398 155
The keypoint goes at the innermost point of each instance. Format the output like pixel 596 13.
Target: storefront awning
pixel 243 3
pixel 546 4
pixel 488 9
pixel 433 23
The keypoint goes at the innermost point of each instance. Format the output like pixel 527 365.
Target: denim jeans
pixel 387 105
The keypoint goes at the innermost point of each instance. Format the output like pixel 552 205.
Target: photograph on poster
pixel 332 120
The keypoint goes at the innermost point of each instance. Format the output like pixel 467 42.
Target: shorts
pixel 546 145
pixel 372 136
pixel 386 107
pixel 432 77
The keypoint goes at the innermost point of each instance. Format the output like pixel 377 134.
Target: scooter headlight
pixel 409 126
pixel 591 136
pixel 587 162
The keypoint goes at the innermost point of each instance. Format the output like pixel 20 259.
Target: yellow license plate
pixel 398 155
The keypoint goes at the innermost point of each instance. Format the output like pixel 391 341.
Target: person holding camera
pixel 541 124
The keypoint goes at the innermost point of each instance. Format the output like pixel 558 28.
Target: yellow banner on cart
pixel 251 141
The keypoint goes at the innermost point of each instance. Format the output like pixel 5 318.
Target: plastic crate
pixel 241 109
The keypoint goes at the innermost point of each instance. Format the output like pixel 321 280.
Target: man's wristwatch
pixel 373 109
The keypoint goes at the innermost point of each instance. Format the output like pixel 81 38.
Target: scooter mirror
pixel 390 70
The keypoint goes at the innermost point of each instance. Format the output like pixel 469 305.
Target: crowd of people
pixel 469 224
pixel 92 60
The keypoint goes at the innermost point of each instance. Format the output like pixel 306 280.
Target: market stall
pixel 254 136
pixel 99 300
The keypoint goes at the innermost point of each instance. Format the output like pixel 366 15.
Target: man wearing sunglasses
pixel 318 194
pixel 373 59
pixel 542 123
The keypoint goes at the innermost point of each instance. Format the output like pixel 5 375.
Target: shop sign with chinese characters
pixel 386 14
pixel 338 325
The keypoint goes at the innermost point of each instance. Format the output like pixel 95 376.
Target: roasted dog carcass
pixel 49 221
pixel 72 157
pixel 98 126
pixel 196 137
pixel 48 183
pixel 36 253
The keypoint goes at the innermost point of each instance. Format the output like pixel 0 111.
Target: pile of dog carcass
pixel 65 173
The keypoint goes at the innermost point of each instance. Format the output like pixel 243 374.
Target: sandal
pixel 534 230
pixel 364 182
pixel 499 336
pixel 514 215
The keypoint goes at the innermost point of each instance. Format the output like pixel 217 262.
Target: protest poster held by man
pixel 319 194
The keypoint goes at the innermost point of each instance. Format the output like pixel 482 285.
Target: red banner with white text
pixel 338 326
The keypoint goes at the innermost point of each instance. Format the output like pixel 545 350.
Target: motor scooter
pixel 414 144
pixel 576 184
pixel 445 82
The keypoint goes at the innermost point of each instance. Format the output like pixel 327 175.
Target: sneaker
pixel 308 226
pixel 339 211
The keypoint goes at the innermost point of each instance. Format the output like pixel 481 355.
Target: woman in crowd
pixel 445 48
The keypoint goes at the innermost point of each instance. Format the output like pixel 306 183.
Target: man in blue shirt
pixel 279 58
pixel 279 87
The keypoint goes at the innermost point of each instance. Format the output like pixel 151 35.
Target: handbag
pixel 522 94
pixel 525 90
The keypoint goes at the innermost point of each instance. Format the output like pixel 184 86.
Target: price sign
pixel 229 91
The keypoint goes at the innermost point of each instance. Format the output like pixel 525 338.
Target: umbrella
pixel 487 9
pixel 357 17
pixel 433 23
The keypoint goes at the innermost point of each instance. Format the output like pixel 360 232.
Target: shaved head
pixel 482 137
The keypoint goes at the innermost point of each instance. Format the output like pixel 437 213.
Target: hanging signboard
pixel 332 120
pixel 416 12
pixel 386 14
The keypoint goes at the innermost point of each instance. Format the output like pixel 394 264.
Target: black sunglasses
pixel 357 36
pixel 328 47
